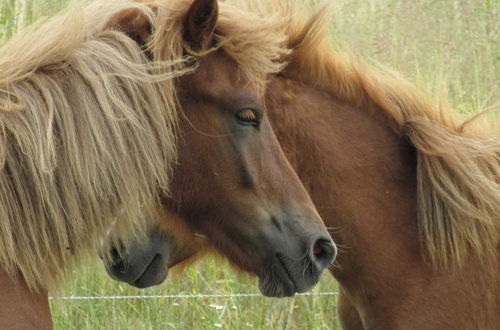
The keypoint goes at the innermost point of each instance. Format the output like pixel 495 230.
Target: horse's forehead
pixel 217 75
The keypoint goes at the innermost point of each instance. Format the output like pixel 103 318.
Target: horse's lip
pixel 287 272
pixel 145 270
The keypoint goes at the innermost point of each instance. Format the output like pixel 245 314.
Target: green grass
pixel 439 45
pixel 208 276
pixel 449 45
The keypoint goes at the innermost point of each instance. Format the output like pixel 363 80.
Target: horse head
pixel 232 182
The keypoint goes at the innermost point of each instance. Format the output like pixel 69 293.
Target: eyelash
pixel 248 117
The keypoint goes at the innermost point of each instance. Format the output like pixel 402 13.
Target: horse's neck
pixel 20 308
pixel 362 179
pixel 360 174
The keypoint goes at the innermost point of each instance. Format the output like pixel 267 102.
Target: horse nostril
pixel 117 262
pixel 318 249
pixel 119 267
pixel 323 253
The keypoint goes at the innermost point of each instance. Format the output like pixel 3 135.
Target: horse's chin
pixel 285 277
pixel 148 270
pixel 154 274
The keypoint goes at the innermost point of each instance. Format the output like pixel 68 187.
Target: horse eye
pixel 247 117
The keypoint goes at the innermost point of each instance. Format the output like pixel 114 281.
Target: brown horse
pixel 89 116
pixel 412 196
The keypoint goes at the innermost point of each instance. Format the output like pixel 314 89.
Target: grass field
pixel 210 276
pixel 451 46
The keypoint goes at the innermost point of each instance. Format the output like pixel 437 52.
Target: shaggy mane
pixel 87 124
pixel 458 169
pixel 256 43
pixel 86 132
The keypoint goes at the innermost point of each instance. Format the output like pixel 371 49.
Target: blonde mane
pixel 88 125
pixel 257 44
pixel 87 130
pixel 458 169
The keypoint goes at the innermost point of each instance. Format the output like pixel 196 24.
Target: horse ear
pixel 134 23
pixel 199 24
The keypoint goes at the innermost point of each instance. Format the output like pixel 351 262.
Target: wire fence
pixel 186 296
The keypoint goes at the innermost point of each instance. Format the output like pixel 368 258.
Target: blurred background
pixel 443 46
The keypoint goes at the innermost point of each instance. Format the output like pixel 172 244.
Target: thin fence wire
pixel 187 296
